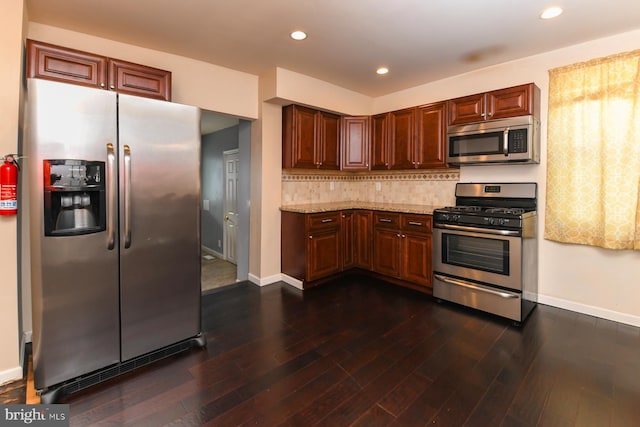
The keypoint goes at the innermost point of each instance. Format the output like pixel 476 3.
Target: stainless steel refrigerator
pixel 114 190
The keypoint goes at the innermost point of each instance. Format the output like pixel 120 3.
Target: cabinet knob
pixel 112 87
pixel 102 85
pixel 404 235
pixel 311 237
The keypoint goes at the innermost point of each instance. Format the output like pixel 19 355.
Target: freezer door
pixel 159 145
pixel 74 279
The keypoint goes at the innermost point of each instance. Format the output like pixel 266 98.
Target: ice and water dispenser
pixel 74 197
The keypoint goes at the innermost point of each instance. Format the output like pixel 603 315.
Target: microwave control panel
pixel 518 141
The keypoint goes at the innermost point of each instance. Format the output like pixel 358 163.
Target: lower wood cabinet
pixel 348 235
pixel 311 245
pixel 363 231
pixel 402 247
pixel 393 245
pixel 415 252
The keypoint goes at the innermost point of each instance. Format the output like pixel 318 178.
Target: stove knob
pixel 496 221
pixel 455 218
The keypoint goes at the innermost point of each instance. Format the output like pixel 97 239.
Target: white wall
pixel 11 23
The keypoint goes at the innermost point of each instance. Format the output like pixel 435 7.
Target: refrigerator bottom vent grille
pixel 54 393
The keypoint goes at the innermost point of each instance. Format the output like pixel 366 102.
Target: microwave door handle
pixel 505 142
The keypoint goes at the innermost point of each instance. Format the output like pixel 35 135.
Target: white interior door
pixel 230 205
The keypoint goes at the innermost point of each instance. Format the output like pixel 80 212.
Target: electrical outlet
pixel 378 186
pixel 219 243
pixel 332 186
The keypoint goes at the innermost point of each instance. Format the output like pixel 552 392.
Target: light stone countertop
pixel 374 206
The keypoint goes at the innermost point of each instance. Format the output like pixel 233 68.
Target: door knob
pixel 226 217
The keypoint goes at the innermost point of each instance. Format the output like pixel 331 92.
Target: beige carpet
pixel 217 272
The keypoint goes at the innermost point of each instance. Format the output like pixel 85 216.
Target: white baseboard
pixel 292 281
pixel 10 375
pixel 212 252
pixel 264 281
pixel 590 310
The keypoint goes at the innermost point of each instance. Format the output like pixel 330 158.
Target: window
pixel 593 150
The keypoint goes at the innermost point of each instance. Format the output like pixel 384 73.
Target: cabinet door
pixel 323 253
pixel 46 61
pixel 355 143
pixel 386 251
pixel 298 137
pixel 510 102
pixel 403 132
pixel 139 80
pixel 347 231
pixel 467 109
pixel 432 136
pixel 363 231
pixel 328 141
pixel 380 149
pixel 416 258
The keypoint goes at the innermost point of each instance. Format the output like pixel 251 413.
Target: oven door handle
pixel 474 287
pixel 478 230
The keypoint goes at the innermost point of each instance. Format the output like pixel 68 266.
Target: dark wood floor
pixel 364 353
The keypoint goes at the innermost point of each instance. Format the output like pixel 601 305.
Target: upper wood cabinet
pixel 431 138
pixel 50 62
pixel 393 139
pixel 509 102
pixel 412 138
pixel 355 143
pixel 310 138
pixel 140 80
pixel 403 137
pixel 380 142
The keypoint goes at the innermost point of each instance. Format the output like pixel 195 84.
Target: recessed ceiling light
pixel 551 12
pixel 298 35
pixel 382 70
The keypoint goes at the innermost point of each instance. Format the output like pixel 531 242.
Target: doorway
pixel 230 160
pixel 225 163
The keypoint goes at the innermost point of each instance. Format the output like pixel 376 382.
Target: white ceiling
pixel 419 40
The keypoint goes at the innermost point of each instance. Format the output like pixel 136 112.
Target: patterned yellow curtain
pixel 593 150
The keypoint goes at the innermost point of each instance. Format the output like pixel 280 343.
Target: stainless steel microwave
pixel 512 140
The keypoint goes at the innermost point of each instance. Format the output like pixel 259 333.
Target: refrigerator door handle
pixel 127 197
pixel 111 197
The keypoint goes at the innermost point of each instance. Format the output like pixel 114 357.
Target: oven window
pixel 478 253
pixel 478 144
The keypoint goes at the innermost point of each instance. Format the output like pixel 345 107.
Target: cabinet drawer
pixel 386 220
pixel 322 221
pixel 416 223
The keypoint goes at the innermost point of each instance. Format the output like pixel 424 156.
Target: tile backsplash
pixel 428 187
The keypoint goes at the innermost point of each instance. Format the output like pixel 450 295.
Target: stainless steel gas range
pixel 485 252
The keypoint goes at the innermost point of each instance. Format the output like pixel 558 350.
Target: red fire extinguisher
pixel 9 186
